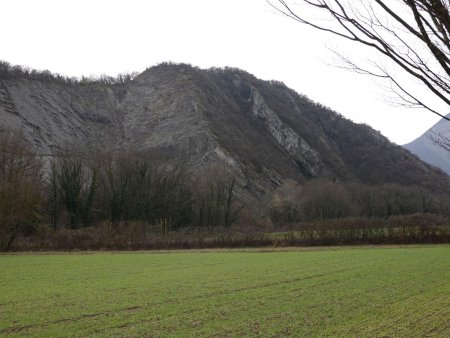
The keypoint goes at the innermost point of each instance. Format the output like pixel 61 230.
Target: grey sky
pixel 87 37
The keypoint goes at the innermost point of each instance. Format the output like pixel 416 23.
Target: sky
pixel 94 37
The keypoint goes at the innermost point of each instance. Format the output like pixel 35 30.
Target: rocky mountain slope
pixel 428 150
pixel 263 131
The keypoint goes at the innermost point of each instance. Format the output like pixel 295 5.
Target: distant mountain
pixel 428 150
pixel 262 130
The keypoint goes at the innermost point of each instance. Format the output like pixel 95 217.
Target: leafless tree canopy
pixel 412 35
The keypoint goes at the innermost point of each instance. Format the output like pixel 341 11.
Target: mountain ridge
pixel 427 149
pixel 262 131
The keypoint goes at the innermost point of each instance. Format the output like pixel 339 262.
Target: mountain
pixel 428 150
pixel 261 130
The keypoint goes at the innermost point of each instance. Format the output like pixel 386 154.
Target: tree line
pixel 79 189
pixel 8 71
pixel 322 199
pixel 130 194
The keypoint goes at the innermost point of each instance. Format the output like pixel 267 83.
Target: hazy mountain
pixel 262 130
pixel 428 150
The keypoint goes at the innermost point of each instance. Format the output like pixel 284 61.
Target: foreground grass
pixel 388 291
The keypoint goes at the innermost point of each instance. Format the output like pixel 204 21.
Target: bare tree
pixel 410 37
pixel 20 181
pixel 73 184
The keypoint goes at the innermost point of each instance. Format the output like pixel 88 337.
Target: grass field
pixel 366 291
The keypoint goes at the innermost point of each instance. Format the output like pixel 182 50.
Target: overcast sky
pixel 93 37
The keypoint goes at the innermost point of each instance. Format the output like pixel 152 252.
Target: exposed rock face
pixel 263 131
pixel 285 136
pixel 52 115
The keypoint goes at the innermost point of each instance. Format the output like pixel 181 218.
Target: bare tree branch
pixel 439 139
pixel 412 35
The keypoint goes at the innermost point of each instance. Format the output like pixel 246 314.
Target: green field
pixel 366 291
